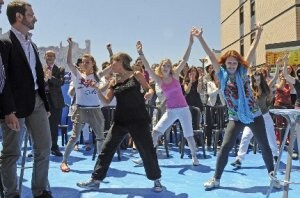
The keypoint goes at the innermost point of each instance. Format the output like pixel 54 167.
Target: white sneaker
pixel 195 161
pixel 138 161
pixel 276 182
pixel 212 183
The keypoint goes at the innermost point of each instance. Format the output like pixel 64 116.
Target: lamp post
pixel 203 61
pixel 203 95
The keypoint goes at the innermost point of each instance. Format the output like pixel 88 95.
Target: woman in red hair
pixel 232 71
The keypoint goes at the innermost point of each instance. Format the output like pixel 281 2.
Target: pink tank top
pixel 173 94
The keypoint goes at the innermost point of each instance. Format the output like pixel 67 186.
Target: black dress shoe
pixel 56 152
pixel 46 194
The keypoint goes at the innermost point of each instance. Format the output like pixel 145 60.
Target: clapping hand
pixel 48 74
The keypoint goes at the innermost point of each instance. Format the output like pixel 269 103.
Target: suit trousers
pixel 37 124
pixel 54 120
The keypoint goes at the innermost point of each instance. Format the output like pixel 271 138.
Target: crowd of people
pixel 31 101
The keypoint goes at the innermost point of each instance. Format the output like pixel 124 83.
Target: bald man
pixel 54 79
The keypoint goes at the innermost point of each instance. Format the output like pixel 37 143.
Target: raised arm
pixel 153 75
pixel 198 33
pixel 107 70
pixel 288 77
pixel 102 73
pixel 250 55
pixel 71 66
pixel 274 79
pixel 109 49
pixel 185 58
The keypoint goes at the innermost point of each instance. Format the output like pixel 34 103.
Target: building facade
pixel 280 20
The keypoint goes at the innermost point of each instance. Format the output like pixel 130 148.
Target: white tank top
pixel 86 95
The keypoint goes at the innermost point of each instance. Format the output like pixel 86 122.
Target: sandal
pixel 64 167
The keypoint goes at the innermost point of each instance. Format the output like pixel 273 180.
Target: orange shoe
pixel 64 167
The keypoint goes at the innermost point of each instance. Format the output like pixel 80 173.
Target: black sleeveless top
pixel 130 108
pixel 193 97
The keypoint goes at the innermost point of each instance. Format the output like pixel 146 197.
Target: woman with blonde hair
pixel 167 78
pixel 232 70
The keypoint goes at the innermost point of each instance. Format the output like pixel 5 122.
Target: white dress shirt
pixel 28 50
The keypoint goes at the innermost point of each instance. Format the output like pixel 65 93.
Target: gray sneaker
pixel 276 182
pixel 212 183
pixel 157 186
pixel 91 184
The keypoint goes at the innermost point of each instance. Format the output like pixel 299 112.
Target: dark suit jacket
pixel 55 95
pixel 19 92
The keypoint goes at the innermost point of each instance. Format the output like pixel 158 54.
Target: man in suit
pixel 23 101
pixel 2 82
pixel 54 79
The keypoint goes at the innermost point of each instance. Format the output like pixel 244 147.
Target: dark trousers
pixel 232 131
pixel 54 121
pixel 141 135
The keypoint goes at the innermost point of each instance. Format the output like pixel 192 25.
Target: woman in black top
pixel 192 88
pixel 131 117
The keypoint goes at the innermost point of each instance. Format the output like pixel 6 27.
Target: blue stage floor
pixel 180 178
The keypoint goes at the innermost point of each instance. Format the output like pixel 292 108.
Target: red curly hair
pixel 235 54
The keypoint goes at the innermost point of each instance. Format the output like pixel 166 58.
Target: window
pixel 252 7
pixel 252 37
pixel 242 47
pixel 242 15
